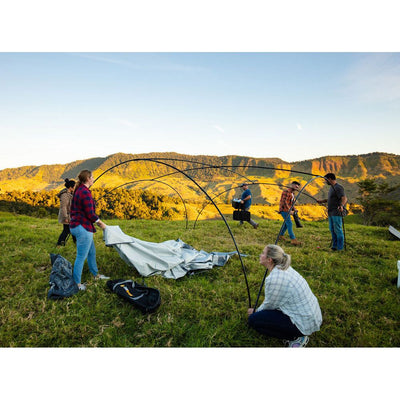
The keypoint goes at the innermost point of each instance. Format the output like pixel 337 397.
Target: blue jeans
pixel 274 323
pixel 84 250
pixel 287 225
pixel 336 228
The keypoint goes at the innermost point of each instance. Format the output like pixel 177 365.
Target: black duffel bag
pixel 144 298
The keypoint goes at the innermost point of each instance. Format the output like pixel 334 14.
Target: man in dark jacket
pixel 336 210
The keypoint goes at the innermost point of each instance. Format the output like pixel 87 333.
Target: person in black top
pixel 336 210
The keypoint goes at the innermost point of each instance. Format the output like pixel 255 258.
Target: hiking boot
pixel 299 342
pixel 295 242
pixel 101 276
pixel 81 286
pixel 282 238
pixel 255 226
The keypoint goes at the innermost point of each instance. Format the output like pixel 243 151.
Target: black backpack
pixel 144 298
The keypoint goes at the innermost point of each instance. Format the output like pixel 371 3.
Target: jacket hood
pixel 62 192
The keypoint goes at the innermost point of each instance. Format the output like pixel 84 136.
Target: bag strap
pixel 122 282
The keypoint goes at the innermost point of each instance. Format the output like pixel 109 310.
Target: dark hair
pixel 330 176
pixel 295 183
pixel 69 183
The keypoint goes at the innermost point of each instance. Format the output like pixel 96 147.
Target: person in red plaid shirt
pixel 287 199
pixel 83 216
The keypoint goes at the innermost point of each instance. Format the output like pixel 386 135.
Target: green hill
pixel 142 173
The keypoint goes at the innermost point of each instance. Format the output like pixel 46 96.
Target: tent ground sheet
pixel 171 259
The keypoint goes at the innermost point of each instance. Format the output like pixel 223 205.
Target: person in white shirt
pixel 290 310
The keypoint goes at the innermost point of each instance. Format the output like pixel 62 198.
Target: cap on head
pixel 243 184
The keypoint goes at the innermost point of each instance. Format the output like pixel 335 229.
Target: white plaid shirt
pixel 289 292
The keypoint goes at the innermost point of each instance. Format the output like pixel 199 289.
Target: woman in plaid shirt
pixel 290 310
pixel 83 216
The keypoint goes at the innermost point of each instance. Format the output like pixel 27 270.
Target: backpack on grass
pixel 61 282
pixel 144 298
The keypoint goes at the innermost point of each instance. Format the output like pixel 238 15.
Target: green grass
pixel 360 305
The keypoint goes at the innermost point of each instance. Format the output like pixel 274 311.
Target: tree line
pixel 119 203
pixel 380 203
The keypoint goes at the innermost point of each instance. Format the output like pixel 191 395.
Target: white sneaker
pixel 101 276
pixel 299 342
pixel 81 286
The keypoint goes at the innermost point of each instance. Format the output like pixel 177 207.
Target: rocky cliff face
pixel 227 171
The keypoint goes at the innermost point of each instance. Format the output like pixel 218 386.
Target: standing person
pixel 290 310
pixel 64 214
pixel 246 201
pixel 286 202
pixel 336 210
pixel 83 216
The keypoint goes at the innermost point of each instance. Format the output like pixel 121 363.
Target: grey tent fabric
pixel 171 259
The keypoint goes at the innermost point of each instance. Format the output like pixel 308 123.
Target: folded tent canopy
pixel 171 259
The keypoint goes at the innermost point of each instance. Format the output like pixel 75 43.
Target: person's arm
pixel 101 224
pixel 342 203
pixel 89 210
pixel 64 208
pixel 246 198
pixel 274 294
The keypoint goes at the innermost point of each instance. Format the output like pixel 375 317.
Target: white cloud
pixel 218 128
pixel 299 127
pixel 156 63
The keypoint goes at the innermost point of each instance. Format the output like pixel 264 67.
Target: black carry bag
pixel 241 215
pixel 297 220
pixel 144 298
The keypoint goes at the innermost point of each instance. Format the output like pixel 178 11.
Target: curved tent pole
pixel 227 190
pixel 207 195
pixel 150 180
pixel 204 166
pixel 277 239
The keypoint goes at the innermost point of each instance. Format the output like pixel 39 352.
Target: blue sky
pixel 60 107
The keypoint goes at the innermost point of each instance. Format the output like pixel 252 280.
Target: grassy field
pixel 359 303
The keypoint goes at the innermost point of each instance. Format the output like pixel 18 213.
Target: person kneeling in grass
pixel 290 310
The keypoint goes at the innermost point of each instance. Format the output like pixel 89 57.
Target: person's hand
pixel 242 201
pixel 250 311
pixel 66 221
pixel 101 225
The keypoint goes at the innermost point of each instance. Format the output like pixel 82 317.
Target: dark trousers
pixel 64 235
pixel 274 323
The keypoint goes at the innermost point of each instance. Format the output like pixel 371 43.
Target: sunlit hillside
pixel 189 177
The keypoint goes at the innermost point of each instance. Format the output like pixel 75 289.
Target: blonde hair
pixel 279 257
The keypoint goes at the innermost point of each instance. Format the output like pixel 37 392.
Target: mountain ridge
pixel 349 169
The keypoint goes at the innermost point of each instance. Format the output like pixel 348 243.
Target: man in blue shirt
pixel 246 201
